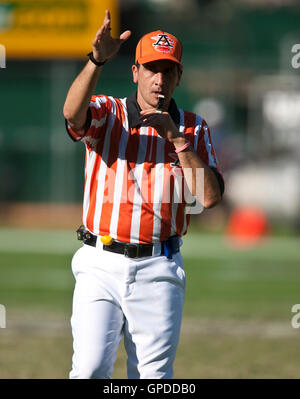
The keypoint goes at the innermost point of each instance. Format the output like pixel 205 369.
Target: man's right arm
pixel 80 93
pixel 79 97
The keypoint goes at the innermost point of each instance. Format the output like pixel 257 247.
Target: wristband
pixel 186 145
pixel 91 57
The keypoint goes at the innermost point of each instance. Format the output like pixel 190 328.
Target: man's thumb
pixel 125 35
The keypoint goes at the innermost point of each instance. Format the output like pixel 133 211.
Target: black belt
pixel 169 247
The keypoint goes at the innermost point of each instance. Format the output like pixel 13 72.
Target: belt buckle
pixel 127 249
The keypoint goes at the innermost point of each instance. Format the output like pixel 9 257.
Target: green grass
pixel 237 315
pixel 239 357
pixel 36 280
pixel 244 289
pixel 32 356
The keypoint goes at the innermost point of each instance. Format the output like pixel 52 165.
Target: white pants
pixel 141 299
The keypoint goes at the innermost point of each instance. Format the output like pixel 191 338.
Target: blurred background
pixel 242 75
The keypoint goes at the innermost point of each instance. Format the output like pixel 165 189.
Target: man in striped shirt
pixel 146 170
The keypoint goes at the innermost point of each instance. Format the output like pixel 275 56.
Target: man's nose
pixel 159 78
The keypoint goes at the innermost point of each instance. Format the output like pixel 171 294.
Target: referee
pixel 143 154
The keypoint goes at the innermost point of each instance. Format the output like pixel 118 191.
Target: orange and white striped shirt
pixel 133 181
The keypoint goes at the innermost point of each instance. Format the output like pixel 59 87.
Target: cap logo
pixel 163 44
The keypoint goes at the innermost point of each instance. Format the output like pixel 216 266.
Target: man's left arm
pixel 208 192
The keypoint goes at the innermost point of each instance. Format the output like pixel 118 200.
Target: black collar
pixel 133 110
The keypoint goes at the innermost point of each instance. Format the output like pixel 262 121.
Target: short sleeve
pixel 96 117
pixel 207 153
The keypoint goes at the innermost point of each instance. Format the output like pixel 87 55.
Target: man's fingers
pixel 150 119
pixel 152 111
pixel 107 20
pixel 107 27
pixel 106 17
pixel 98 36
pixel 125 35
pixel 102 31
pixel 148 111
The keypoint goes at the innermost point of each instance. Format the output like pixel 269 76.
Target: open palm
pixel 105 46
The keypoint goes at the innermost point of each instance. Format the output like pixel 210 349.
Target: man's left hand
pixel 163 123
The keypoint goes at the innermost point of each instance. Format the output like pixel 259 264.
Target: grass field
pixel 237 316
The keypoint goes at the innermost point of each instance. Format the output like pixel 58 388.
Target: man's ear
pixel 180 70
pixel 135 71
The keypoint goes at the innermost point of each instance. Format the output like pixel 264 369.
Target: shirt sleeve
pixel 95 121
pixel 207 153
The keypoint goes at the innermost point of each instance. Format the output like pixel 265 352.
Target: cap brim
pixel 158 57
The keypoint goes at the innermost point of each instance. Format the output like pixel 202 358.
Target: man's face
pixel 154 78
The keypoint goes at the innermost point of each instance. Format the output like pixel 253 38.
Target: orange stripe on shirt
pixel 147 212
pixel 158 163
pixel 128 188
pixel 110 177
pixel 201 149
pixel 94 175
pixel 189 129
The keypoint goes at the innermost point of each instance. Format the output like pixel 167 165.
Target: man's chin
pixel 153 104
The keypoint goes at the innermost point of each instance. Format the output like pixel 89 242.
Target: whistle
pixel 161 100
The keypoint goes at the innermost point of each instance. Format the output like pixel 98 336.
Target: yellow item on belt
pixel 106 240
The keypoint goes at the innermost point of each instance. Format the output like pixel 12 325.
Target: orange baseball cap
pixel 158 45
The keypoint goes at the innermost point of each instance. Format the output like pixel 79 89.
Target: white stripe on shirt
pixel 103 167
pixel 137 174
pixel 121 164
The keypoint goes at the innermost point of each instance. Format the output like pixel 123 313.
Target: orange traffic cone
pixel 246 227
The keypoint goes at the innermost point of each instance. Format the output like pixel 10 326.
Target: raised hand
pixel 104 46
